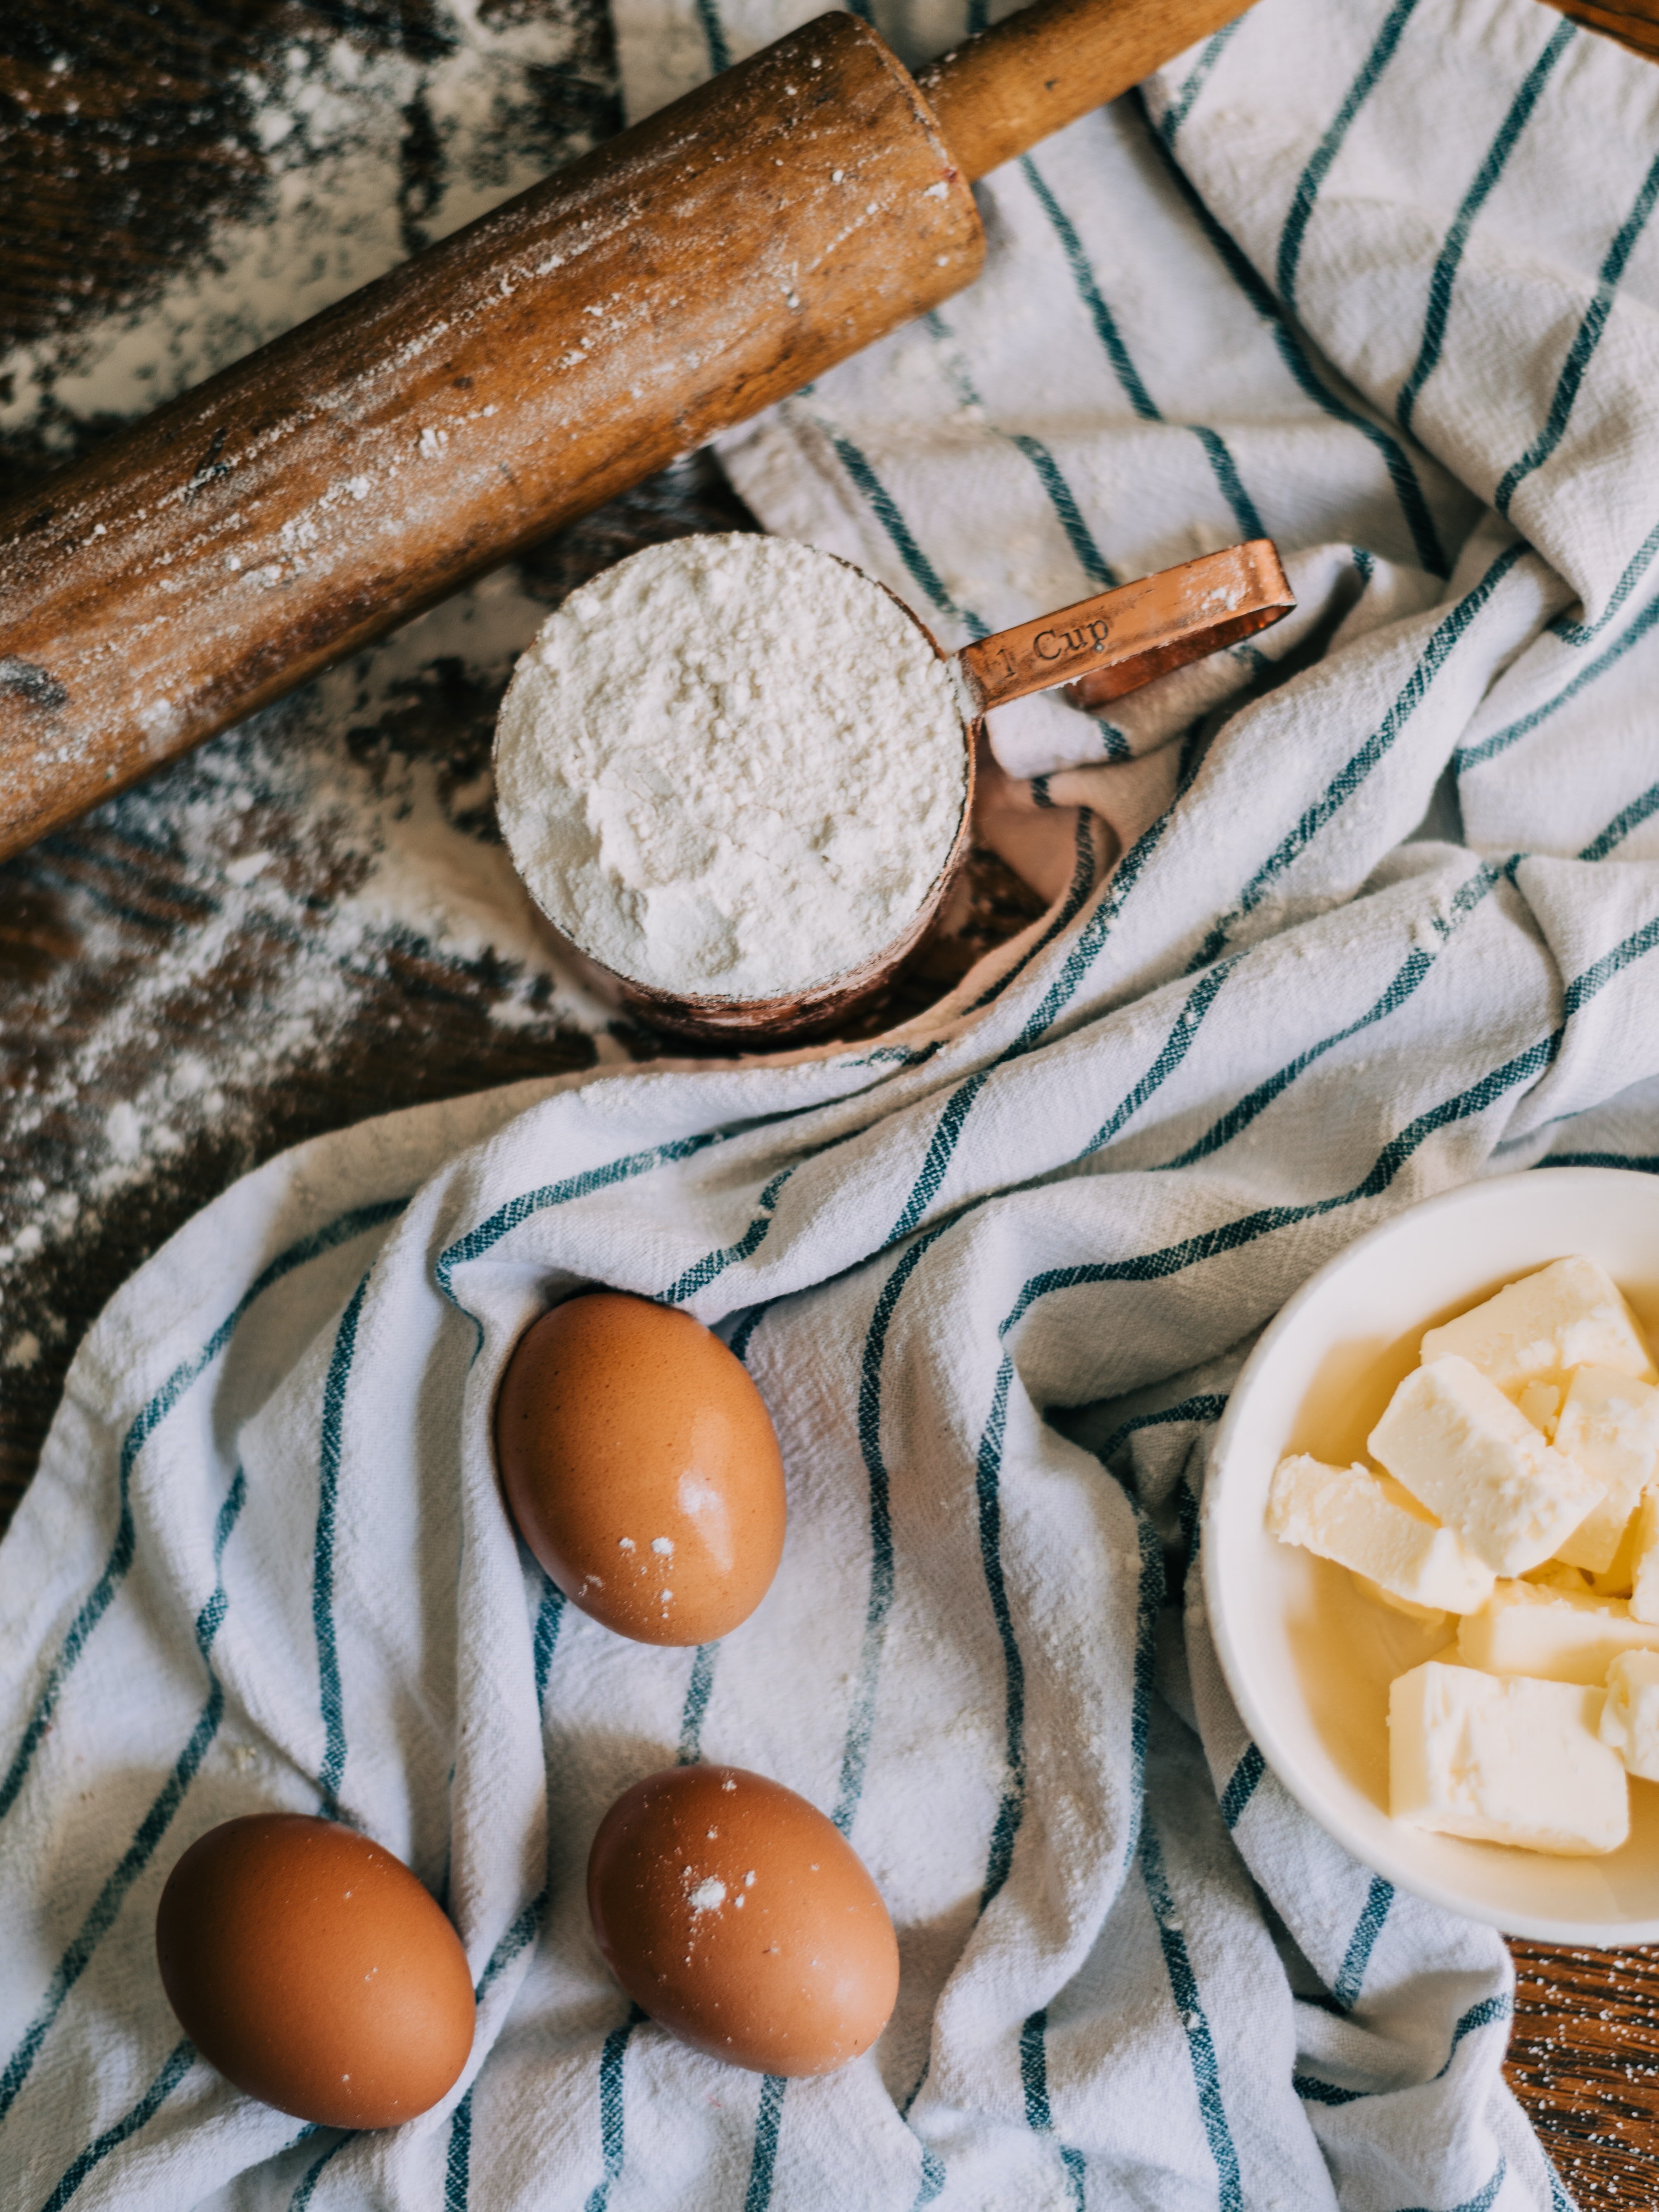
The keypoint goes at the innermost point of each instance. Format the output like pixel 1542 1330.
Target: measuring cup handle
pixel 1121 639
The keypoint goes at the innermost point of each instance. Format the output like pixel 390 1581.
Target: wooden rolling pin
pixel 675 281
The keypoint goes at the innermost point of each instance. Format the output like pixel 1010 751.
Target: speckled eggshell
pixel 311 1968
pixel 741 1919
pixel 641 1468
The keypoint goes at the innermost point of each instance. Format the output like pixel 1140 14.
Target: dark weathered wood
pixel 81 236
pixel 1584 2060
pixel 675 281
pixel 519 373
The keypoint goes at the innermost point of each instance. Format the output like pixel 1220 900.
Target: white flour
pixel 731 766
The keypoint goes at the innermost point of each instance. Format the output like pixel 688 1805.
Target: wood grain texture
pixel 1636 28
pixel 126 133
pixel 1040 68
pixel 559 349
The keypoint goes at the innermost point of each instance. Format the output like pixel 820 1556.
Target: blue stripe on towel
pixel 612 2141
pixel 703 1272
pixel 1189 2008
pixel 932 2179
pixel 333 1771
pixel 526 1926
pixel 1351 1975
pixel 1242 1785
pixel 855 1751
pixel 1010 1809
pixel 1486 2013
pixel 341 1230
pixel 1059 493
pixel 1638 1163
pixel 1445 276
pixel 1222 465
pixel 1034 2081
pixel 1412 972
pixel 1312 2091
pixel 1586 339
pixel 1413 506
pixel 457 2163
pixel 714 36
pixel 1170 1054
pixel 1077 893
pixel 762 2165
pixel 885 509
pixel 1231 1236
pixel 1076 965
pixel 1324 154
pixel 1443 643
pixel 150 1830
pixel 314 2173
pixel 122 2131
pixel 1182 106
pixel 698 1689
pixel 1202 1405
pixel 517 1211
pixel 1583 633
pixel 1466 757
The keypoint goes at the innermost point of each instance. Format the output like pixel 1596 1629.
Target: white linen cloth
pixel 1382 280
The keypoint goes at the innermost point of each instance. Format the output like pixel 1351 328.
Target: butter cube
pixel 1568 1315
pixel 1558 1635
pixel 1630 1718
pixel 1429 1616
pixel 1609 1426
pixel 1505 1761
pixel 1645 1559
pixel 1542 1404
pixel 1365 1521
pixel 1457 1443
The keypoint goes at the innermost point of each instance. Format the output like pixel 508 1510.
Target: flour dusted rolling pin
pixel 674 281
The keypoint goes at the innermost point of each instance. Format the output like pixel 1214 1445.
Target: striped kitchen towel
pixel 1378 279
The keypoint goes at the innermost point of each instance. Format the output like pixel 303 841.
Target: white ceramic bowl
pixel 1308 1661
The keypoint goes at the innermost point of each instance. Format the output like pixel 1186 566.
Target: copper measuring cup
pixel 1100 648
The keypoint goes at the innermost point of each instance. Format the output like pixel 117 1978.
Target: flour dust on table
pixel 991 1273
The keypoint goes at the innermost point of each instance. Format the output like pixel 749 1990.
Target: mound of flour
pixel 731 766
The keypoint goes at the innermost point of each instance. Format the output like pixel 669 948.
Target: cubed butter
pixel 1630 1718
pixel 1542 1404
pixel 1568 1315
pixel 1559 1635
pixel 1505 1761
pixel 1459 1445
pixel 1427 1616
pixel 1365 1521
pixel 1644 1558
pixel 1609 1426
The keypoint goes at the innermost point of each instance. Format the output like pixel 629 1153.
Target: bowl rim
pixel 1394 1867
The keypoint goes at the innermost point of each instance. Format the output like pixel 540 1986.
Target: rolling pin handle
pixel 1037 70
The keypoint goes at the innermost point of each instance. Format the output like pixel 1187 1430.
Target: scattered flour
pixel 731 766
pixel 311 876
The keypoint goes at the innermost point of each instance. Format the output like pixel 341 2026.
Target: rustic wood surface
pixel 126 134
pixel 1636 27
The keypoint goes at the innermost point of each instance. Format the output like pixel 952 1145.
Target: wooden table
pixel 128 135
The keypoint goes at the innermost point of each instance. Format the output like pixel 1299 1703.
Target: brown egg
pixel 641 1468
pixel 312 1968
pixel 741 1919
